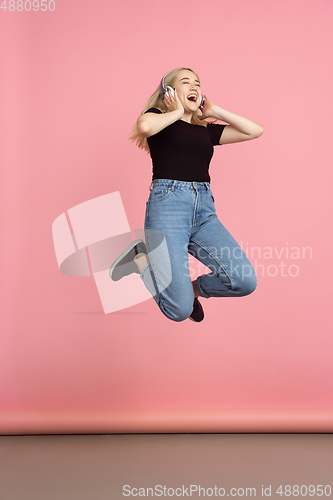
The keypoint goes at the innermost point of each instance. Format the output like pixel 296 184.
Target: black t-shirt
pixel 183 151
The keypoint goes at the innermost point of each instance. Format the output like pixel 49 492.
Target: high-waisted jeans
pixel 180 220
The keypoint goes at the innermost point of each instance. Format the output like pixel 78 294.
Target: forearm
pixel 239 122
pixel 152 123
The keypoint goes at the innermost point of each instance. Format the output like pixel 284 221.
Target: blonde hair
pixel 155 101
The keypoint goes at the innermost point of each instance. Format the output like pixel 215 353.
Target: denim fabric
pixel 180 220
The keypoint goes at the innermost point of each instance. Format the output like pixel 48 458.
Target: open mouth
pixel 192 97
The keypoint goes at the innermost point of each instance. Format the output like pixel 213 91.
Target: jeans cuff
pixel 202 293
pixel 143 270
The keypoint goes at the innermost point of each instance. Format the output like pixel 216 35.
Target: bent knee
pixel 245 280
pixel 247 285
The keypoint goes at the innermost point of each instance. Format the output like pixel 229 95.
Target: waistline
pixel 170 183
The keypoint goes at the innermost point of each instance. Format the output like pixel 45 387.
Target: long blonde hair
pixel 155 101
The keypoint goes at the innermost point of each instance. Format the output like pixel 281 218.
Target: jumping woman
pixel 180 214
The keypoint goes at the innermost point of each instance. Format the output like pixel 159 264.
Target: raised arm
pixel 152 123
pixel 239 129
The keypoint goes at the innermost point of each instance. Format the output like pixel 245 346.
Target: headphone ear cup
pixel 172 92
pixel 202 100
pixel 163 89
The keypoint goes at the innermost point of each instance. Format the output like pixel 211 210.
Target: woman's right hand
pixel 172 103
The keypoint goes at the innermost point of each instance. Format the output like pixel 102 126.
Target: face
pixel 188 89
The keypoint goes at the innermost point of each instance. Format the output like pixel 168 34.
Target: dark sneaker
pixel 197 314
pixel 124 264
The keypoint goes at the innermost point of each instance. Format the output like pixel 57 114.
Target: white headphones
pixel 164 89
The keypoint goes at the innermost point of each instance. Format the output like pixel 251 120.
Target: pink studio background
pixel 73 83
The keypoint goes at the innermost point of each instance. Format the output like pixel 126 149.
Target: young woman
pixel 180 212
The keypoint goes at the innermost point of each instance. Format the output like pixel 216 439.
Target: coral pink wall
pixel 73 83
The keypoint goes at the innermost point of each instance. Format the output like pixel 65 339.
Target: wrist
pixel 217 113
pixel 179 113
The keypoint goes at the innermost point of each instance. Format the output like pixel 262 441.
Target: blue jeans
pixel 180 220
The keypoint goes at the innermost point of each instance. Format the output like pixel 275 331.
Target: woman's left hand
pixel 206 109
